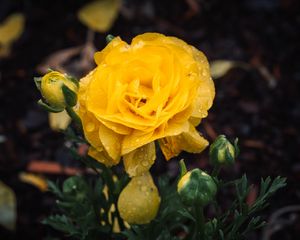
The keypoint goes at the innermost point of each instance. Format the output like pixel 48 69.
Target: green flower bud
pixel 196 187
pixel 58 90
pixel 222 151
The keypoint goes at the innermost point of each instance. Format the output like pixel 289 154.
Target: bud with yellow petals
pixel 196 188
pixel 58 90
pixel 222 151
pixel 139 201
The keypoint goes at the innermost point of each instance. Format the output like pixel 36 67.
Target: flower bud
pixel 196 187
pixel 139 201
pixel 222 151
pixel 58 90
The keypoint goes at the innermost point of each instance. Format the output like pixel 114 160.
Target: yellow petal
pixel 99 15
pixel 219 68
pixel 101 157
pixel 114 44
pixel 206 89
pixel 190 141
pixel 139 160
pixel 35 180
pixel 8 207
pixel 195 121
pixel 111 142
pixel 59 121
pixel 135 140
pixel 12 28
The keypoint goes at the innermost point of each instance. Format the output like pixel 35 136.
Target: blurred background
pixel 254 50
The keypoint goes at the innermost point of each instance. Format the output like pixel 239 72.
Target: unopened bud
pixel 196 187
pixel 221 151
pixel 58 90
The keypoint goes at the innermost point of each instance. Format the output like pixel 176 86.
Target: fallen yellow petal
pixel 11 28
pixel 8 207
pixel 99 15
pixel 35 180
pixel 59 121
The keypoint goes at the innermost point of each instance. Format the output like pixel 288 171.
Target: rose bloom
pixel 156 88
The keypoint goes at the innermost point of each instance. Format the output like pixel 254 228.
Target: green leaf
pixel 70 96
pixel 48 108
pixel 8 213
pixel 53 187
pixel 61 223
pixel 75 186
pixel 186 214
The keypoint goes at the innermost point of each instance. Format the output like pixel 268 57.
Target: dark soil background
pixel 266 118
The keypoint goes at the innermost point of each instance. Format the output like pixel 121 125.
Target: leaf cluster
pixel 87 208
pixel 176 221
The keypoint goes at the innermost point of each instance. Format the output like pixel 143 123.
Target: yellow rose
pixel 158 87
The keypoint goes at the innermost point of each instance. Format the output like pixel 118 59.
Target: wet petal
pixel 100 156
pixel 139 160
pixel 111 142
pixel 190 141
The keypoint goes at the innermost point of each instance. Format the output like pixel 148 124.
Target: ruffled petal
pixel 100 157
pixel 111 142
pixel 139 160
pixel 190 141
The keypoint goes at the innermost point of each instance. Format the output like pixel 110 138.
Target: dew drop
pixel 144 189
pixel 145 163
pixel 204 73
pixel 90 126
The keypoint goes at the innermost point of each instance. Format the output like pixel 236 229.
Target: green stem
pixel 216 171
pixel 200 221
pixel 74 117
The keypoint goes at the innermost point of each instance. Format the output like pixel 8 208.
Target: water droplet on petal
pixel 145 163
pixel 90 126
pixel 144 189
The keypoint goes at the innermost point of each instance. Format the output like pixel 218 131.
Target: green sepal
pixel 236 147
pixel 38 82
pixel 70 96
pixel 48 108
pixel 199 189
pixel 109 38
pixel 182 167
pixel 73 80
